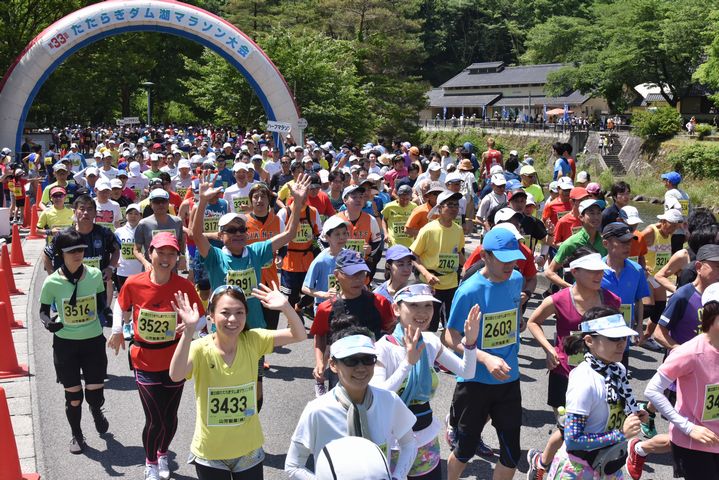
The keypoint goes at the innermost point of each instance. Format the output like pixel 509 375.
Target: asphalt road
pixel 288 386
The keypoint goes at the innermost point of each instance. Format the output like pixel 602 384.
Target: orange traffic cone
pixel 17 259
pixel 26 213
pixel 9 367
pixel 6 309
pixel 9 458
pixel 38 193
pixel 9 277
pixel 33 235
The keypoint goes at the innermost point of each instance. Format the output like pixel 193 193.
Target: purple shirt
pixel 681 317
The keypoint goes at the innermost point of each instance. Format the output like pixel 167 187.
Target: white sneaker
pixel 653 345
pixel 151 472
pixel 163 467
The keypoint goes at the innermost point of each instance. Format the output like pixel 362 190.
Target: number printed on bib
pixel 685 207
pixel 304 233
pixel 245 279
pixel 356 244
pixel 156 327
pixel 126 250
pixel 398 230
pixel 562 214
pixel 91 262
pixel 84 311
pixel 332 283
pixel 711 403
pixel 616 417
pixel 662 258
pixel 230 406
pixel 239 202
pixel 211 224
pixel 499 329
pixel 448 263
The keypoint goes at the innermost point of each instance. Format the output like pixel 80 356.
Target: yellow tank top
pixel 660 252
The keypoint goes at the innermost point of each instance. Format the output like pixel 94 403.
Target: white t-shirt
pixel 108 213
pixel 324 420
pixel 127 266
pixel 109 174
pixel 235 191
pixel 587 395
pixel 272 167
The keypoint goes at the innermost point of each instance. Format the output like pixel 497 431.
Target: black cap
pixel 618 230
pixel 708 253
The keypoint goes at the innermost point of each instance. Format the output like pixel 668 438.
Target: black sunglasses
pixel 355 360
pixel 232 231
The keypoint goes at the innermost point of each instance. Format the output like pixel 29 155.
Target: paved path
pixel 288 386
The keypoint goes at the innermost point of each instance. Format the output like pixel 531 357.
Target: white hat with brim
pixel 73 247
pixel 612 326
pixel 352 345
pixel 229 217
pixel 711 294
pixel 632 214
pixel 415 293
pixel 593 261
pixel 133 206
pixel 350 189
pixel 332 223
pixel 672 216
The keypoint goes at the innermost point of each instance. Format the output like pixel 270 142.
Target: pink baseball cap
pixel 165 239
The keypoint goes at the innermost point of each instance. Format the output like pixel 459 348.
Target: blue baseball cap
pixel 673 177
pixel 398 252
pixel 503 245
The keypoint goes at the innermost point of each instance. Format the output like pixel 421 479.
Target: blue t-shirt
pixel 382 290
pixel 681 317
pixel 317 277
pixel 632 285
pixel 221 264
pixel 227 179
pixel 499 325
pixel 561 168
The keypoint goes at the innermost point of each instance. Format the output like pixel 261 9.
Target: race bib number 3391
pixel 230 406
pixel 499 329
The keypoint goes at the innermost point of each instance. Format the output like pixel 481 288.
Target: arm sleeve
pixel 464 367
pixel 655 393
pixel 576 439
pixel 394 382
pixel 295 462
pixel 407 454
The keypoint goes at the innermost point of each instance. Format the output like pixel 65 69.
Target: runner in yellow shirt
pixel 395 215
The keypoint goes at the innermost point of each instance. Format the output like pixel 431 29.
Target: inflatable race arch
pixel 49 49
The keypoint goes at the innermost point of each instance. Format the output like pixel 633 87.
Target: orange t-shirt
pixel 158 321
pixel 360 231
pixel 419 217
pixel 567 226
pixel 299 250
pixel 259 232
pixel 639 246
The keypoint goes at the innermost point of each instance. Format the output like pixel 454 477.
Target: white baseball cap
pixel 103 185
pixel 498 179
pixel 672 216
pixel 632 215
pixel 565 183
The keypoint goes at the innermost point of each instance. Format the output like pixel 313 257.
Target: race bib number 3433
pixel 230 406
pixel 499 329
pixel 156 327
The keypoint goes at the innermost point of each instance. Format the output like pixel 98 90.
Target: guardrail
pixel 449 123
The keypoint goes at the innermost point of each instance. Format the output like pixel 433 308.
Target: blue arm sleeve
pixel 577 439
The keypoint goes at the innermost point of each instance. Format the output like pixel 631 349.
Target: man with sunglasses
pixel 159 221
pixel 439 248
pixel 57 216
pixel 61 175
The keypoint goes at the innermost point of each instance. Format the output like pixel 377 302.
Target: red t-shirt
pixel 567 226
pixel 492 157
pixel 321 202
pixel 382 306
pixel 175 201
pixel 156 324
pixel 526 267
pixel 573 167
pixel 555 209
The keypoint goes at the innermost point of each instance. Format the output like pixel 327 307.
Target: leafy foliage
pixel 661 123
pixel 698 159
pixel 703 130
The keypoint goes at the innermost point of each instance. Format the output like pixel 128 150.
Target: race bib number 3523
pixel 156 327
pixel 499 329
pixel 230 406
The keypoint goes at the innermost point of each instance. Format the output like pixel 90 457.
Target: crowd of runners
pixel 188 245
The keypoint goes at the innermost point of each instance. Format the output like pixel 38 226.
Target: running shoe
pixel 77 444
pixel 484 450
pixel 163 467
pixel 127 331
pixel 151 472
pixel 320 389
pixel 635 462
pixel 653 345
pixel 649 430
pixel 101 423
pixel 449 435
pixel 536 471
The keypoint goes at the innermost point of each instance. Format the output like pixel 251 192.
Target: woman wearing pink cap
pixel 148 296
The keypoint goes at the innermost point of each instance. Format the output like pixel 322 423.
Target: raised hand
pixel 189 313
pixel 300 188
pixel 207 192
pixel 471 325
pixel 412 337
pixel 271 298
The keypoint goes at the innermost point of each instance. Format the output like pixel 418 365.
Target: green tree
pixel 318 69
pixel 622 44
pixel 708 72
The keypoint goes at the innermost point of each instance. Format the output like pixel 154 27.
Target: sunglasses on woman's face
pixel 355 360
